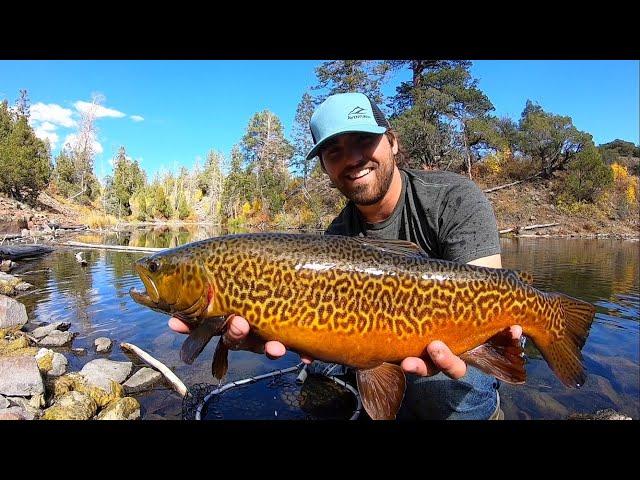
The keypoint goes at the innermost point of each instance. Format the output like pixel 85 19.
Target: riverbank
pixel 524 210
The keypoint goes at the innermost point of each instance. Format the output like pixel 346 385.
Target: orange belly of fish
pixel 371 348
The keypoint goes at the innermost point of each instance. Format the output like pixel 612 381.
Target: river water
pixel 95 300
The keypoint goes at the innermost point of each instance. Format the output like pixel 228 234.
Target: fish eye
pixel 153 266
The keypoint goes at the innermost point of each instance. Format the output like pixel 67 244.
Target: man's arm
pixel 492 261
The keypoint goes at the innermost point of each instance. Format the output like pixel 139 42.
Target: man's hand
pixel 238 337
pixel 442 360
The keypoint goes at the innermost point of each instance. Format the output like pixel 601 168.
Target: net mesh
pixel 278 397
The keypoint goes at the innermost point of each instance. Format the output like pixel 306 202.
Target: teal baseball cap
pixel 345 113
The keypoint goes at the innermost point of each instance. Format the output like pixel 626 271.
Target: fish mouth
pixel 150 297
pixel 152 290
pixel 142 298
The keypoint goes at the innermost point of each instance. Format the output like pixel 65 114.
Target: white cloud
pixel 43 133
pixel 100 111
pixel 71 140
pixel 47 127
pixel 137 118
pixel 53 113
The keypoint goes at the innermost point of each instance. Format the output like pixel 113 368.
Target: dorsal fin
pixel 525 277
pixel 401 247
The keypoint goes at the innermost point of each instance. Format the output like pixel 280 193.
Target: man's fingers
pixel 516 332
pixel 274 350
pixel 237 330
pixel 415 365
pixel 178 325
pixel 451 365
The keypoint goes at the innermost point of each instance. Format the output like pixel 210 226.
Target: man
pixel 446 214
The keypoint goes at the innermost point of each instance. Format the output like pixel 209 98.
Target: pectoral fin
pixel 501 357
pixel 382 390
pixel 220 363
pixel 199 338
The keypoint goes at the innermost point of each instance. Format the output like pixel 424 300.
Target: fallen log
pixel 171 377
pixel 529 227
pixel 17 252
pixel 123 248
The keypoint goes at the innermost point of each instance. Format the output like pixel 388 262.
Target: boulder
pixel 100 372
pixel 12 312
pixel 142 380
pixel 72 405
pixel 76 382
pixel 13 413
pixel 51 363
pixel 43 331
pixel 29 411
pixel 126 408
pixel 57 339
pixel 20 376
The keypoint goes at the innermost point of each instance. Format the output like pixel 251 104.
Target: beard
pixel 374 191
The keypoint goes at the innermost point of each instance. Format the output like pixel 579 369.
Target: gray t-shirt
pixel 450 218
pixel 444 213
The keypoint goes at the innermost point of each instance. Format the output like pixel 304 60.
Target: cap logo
pixel 357 112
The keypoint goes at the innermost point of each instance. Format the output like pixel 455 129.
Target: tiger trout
pixel 363 303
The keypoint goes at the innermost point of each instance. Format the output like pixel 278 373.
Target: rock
pixel 80 352
pixel 7 265
pixel 13 413
pixel 10 285
pixel 4 403
pixel 28 411
pixel 20 376
pixel 57 339
pixel 12 312
pixel 51 363
pixel 607 414
pixel 45 330
pixel 76 382
pixel 71 406
pixel 142 380
pixel 126 408
pixel 99 372
pixel 17 347
pixel 103 344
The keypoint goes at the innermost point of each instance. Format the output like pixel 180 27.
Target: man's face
pixel 360 165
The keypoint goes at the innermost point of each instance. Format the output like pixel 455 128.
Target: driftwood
pixel 171 377
pixel 507 185
pixel 529 227
pixel 122 248
pixel 16 252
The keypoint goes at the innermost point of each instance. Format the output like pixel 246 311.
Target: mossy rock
pixel 45 363
pixel 76 382
pixel 126 408
pixel 71 406
pixel 18 347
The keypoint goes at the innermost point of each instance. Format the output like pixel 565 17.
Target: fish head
pixel 173 284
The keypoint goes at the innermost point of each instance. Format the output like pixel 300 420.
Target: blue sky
pixel 168 113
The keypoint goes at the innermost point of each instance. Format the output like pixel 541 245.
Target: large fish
pixel 364 303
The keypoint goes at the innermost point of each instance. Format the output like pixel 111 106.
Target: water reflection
pixel 605 273
pixel 95 300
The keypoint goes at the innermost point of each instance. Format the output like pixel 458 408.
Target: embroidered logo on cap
pixel 357 112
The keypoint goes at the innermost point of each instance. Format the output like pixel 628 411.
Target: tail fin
pixel 563 354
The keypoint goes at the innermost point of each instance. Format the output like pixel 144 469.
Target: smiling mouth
pixel 359 174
